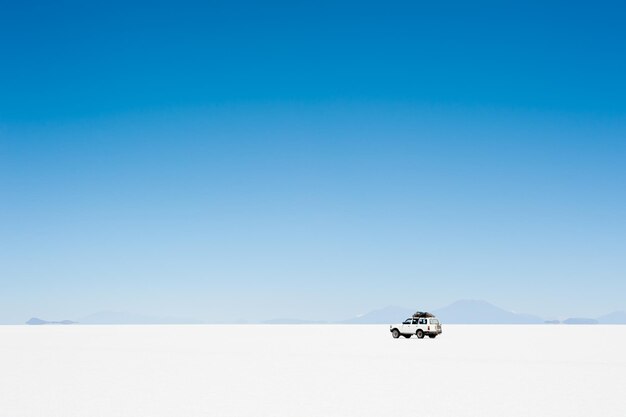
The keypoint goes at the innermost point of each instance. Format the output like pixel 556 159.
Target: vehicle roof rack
pixel 423 314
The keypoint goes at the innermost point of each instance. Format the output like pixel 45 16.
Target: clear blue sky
pixel 220 160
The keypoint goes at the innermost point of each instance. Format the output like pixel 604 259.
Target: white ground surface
pixel 281 370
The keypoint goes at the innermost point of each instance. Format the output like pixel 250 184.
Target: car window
pixel 434 321
pixel 422 321
pixel 407 321
pixel 414 321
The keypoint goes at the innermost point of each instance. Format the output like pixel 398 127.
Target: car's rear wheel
pixel 395 333
pixel 420 334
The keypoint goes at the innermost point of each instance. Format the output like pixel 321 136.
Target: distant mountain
pixel 37 322
pixel 390 314
pixel 482 312
pixel 460 312
pixel 121 317
pixel 580 320
pixel 292 321
pixel 616 317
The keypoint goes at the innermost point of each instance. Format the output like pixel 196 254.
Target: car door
pixel 413 327
pixel 422 324
pixel 406 327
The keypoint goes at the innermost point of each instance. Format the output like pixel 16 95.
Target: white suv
pixel 426 324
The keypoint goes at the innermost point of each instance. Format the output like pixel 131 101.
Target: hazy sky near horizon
pixel 222 160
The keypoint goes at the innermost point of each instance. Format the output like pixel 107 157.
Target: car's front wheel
pixel 395 333
pixel 420 334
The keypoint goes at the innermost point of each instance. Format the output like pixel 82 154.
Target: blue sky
pixel 314 160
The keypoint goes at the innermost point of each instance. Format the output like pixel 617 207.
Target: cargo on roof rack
pixel 422 314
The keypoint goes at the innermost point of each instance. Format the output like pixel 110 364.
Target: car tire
pixel 395 333
pixel 420 334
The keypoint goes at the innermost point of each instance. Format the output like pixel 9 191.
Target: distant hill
pixel 616 317
pixel 482 312
pixel 34 321
pixel 390 314
pixel 459 312
pixel 292 321
pixel 122 317
pixel 580 320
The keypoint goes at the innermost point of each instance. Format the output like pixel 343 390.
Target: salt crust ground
pixel 283 370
